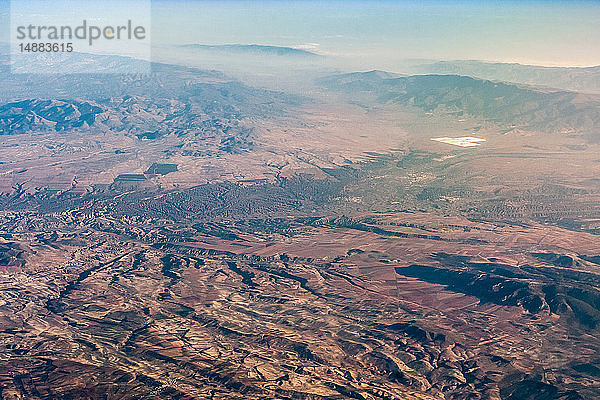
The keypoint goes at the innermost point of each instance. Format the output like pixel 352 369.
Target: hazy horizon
pixel 382 33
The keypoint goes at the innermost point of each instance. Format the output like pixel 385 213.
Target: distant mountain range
pixel 170 100
pixel 585 80
pixel 181 99
pixel 506 104
pixel 253 50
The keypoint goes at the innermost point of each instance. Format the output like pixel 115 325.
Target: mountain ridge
pixel 506 104
pixel 583 79
pixel 254 49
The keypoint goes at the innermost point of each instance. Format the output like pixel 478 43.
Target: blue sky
pixel 535 32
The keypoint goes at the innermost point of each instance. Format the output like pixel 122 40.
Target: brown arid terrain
pixel 187 236
pixel 393 306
